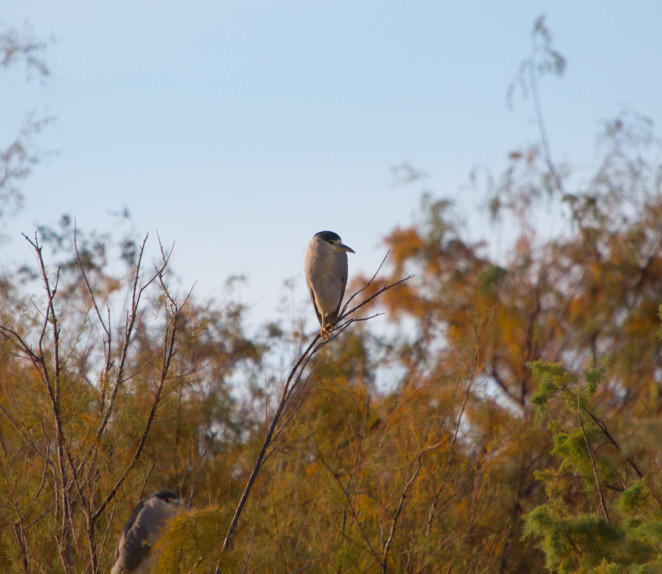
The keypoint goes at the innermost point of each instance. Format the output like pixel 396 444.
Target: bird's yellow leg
pixel 325 332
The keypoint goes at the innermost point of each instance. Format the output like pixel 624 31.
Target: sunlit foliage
pixel 516 427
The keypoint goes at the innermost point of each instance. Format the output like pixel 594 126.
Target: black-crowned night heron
pixel 326 277
pixel 142 530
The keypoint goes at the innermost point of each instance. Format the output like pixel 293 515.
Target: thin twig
pixel 630 460
pixel 458 425
pixel 547 151
pixel 596 476
pixel 368 283
pixel 197 474
pixel 401 502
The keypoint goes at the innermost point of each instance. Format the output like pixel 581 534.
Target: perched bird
pixel 326 277
pixel 142 530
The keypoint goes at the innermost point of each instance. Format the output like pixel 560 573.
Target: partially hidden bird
pixel 142 530
pixel 326 277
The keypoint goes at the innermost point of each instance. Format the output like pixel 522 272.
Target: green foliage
pixel 634 499
pixel 553 378
pixel 624 537
pixel 576 544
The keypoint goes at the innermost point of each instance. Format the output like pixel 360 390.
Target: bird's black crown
pixel 166 495
pixel 328 236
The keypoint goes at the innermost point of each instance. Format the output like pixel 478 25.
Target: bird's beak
pixel 344 247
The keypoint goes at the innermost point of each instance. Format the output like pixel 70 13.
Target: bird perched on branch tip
pixel 326 277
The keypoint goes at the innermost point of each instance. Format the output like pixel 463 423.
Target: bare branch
pixel 368 283
pixel 405 492
pixel 169 350
pixel 106 328
pixel 594 468
pixel 132 317
pixel 372 297
pixel 292 397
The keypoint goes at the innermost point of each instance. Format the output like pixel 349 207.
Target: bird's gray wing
pixel 343 268
pixel 127 526
pixel 309 270
pixel 133 545
pixel 315 306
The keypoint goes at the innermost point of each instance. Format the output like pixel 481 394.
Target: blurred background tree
pixel 519 428
pixel 18 157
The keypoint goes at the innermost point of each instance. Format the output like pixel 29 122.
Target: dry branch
pixel 70 466
pixel 292 396
pixel 403 496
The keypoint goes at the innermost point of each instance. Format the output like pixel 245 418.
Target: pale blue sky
pixel 238 129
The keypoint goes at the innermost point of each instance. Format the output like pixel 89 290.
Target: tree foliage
pixel 19 156
pixel 518 429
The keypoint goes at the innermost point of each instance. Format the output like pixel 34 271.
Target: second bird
pixel 326 277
